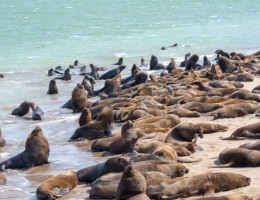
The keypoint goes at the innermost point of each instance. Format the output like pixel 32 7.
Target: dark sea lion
pixel 104 144
pixel 239 157
pixel 132 185
pixel 206 61
pixel 2 140
pixel 226 197
pixel 57 186
pixel 23 109
pixel 220 52
pixel 112 73
pixel 140 77
pixel 251 131
pixel 52 87
pixel 120 61
pixel 134 70
pixel 207 183
pixel 183 63
pixel 252 146
pixel 66 76
pixel 113 164
pixel 94 72
pixel 211 128
pixel 85 117
pixel 2 179
pixel 97 129
pixel 244 94
pixel 225 65
pixel 79 99
pixel 37 113
pixel 256 89
pixel 154 64
pixel 51 72
pixel 171 66
pixel 36 152
pixel 191 62
pixel 2 75
pixel 83 70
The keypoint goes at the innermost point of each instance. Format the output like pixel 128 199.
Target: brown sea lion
pixel 201 107
pixel 88 83
pixel 53 89
pixel 113 164
pixel 256 89
pixel 250 131
pixel 79 99
pixel 112 87
pixel 226 197
pixel 2 179
pixel 244 94
pixel 103 144
pixel 252 146
pixel 220 52
pixel 211 128
pixel 85 117
pixel 57 186
pixel 239 157
pixel 2 140
pixel 222 91
pixel 97 129
pixel 183 112
pixel 186 57
pixel 204 183
pixel 132 184
pixel 36 152
pixel 216 99
pixel 23 109
pixel 37 113
pixel 242 77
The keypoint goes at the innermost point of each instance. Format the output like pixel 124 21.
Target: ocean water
pixel 40 34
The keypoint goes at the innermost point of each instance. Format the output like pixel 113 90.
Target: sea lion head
pixel 121 67
pixel 117 163
pixel 199 131
pixel 141 77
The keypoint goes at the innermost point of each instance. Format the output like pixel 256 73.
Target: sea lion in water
pixel 132 185
pixel 120 61
pixel 52 87
pixel 245 94
pixel 97 129
pixel 36 152
pixel 112 73
pixel 37 113
pixel 252 146
pixel 113 164
pixel 57 186
pixel 66 76
pixel 239 157
pixel 207 183
pixel 250 131
pixel 23 109
pixel 2 140
pixel 2 179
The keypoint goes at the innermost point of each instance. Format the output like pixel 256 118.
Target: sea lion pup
pixel 134 70
pixel 36 152
pixel 113 164
pixel 211 128
pixel 53 89
pixel 250 131
pixel 132 185
pixel 66 76
pixel 191 62
pixel 127 141
pixel 97 129
pixel 171 66
pixel 206 61
pixel 85 117
pixel 239 157
pixel 112 73
pixel 186 57
pixel 37 113
pixel 225 65
pixel 245 94
pixel 201 107
pixel 57 186
pixel 2 179
pixel 220 52
pixel 183 112
pixel 120 61
pixel 228 197
pixel 2 140
pixel 184 132
pixel 252 146
pixel 22 110
pixel 206 183
pixel 79 99
pixel 256 89
pixel 154 64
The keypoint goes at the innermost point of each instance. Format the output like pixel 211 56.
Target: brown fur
pixel 2 179
pixel 244 94
pixel 201 107
pixel 228 197
pixel 211 128
pixel 79 99
pixel 216 99
pixel 66 181
pixel 103 144
pixel 2 140
pixel 85 117
pixel 252 146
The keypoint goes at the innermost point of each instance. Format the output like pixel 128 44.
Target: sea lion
pixel 232 111
pixel 154 64
pixel 79 99
pixel 239 157
pixel 51 72
pixel 183 112
pixel 94 72
pixel 113 164
pixel 251 131
pixel 2 179
pixel 66 76
pixel 201 107
pixel 112 87
pixel 183 63
pixel 140 77
pixel 242 77
pixel 225 65
pixel 88 83
pixel 57 186
pixel 256 89
pixel 206 61
pixel 132 185
pixel 252 146
pixel 171 66
pixel 2 140
pixel 52 87
pixel 23 109
pixel 85 117
pixel 36 152
pixel 191 62
pixel 211 128
pixel 97 129
pixel 104 144
pixel 37 113
pixel 228 197
pixel 120 61
pixel 112 73
pixel 220 52
pixel 245 94
pixel 134 70
pixel 207 183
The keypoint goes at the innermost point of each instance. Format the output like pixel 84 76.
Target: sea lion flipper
pixel 59 192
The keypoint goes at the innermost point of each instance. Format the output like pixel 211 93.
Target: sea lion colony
pixel 154 137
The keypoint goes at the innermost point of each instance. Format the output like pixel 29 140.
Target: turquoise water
pixel 42 34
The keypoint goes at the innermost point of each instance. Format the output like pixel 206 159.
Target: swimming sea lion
pixel 51 72
pixel 57 186
pixel 120 61
pixel 132 185
pixel 66 76
pixel 2 179
pixel 252 146
pixel 85 117
pixel 23 109
pixel 2 140
pixel 36 152
pixel 37 113
pixel 112 73
pixel 52 87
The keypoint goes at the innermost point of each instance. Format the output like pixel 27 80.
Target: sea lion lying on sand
pixel 252 146
pixel 228 197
